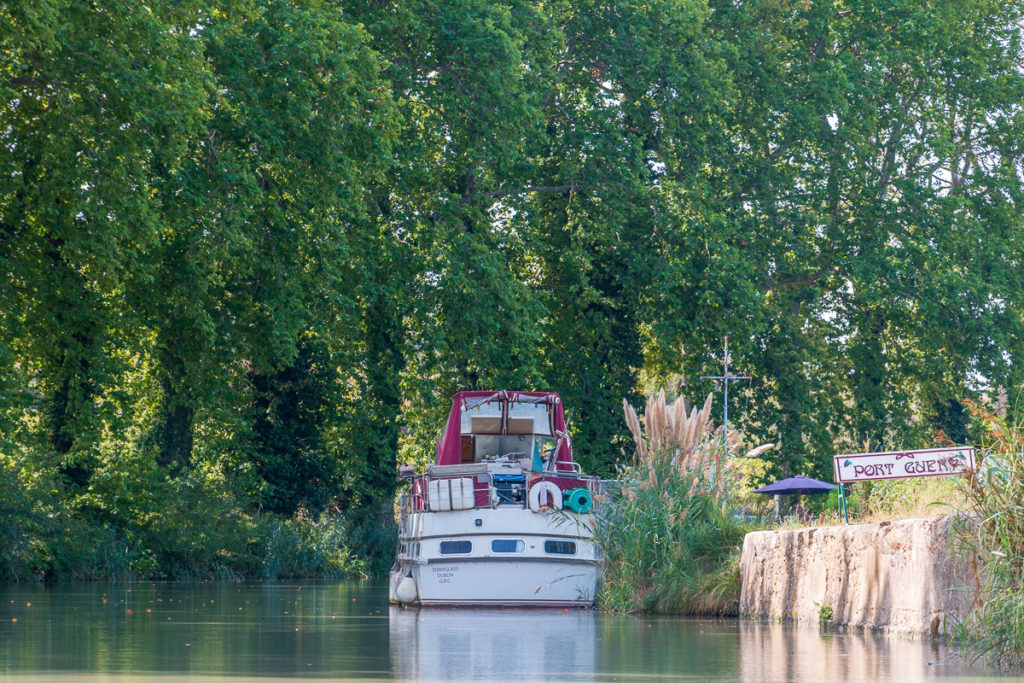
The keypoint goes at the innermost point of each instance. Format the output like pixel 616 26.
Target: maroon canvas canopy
pixel 450 450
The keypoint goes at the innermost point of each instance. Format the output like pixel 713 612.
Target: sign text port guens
pixel 902 464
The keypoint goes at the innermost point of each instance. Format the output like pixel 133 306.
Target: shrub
pixel 304 547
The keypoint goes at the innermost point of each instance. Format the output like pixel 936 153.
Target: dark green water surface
pixel 345 630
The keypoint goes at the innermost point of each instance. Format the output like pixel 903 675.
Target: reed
pixel 309 547
pixel 670 544
pixel 992 538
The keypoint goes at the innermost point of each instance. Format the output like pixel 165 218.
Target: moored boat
pixel 504 514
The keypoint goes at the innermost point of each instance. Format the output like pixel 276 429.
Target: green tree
pixel 289 408
pixel 84 136
pixel 458 313
pixel 254 256
pixel 856 228
pixel 631 101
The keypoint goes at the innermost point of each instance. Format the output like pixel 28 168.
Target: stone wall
pixel 900 576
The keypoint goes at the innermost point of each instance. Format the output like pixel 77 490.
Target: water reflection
pixel 208 629
pixel 493 644
pixel 768 652
pixel 579 645
pixel 346 631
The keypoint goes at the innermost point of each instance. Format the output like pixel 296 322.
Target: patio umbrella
pixel 797 485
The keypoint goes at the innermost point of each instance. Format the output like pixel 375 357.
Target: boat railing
pixel 480 494
pixel 566 480
pixel 436 490
pixel 404 507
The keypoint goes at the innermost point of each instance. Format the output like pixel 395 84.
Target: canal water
pixel 347 631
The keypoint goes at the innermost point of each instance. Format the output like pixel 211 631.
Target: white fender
pixel 406 591
pixel 463 497
pixel 554 495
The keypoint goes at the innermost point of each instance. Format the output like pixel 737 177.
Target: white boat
pixel 504 515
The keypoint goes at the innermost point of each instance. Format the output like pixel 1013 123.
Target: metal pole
pixel 725 418
pixel 842 497
pixel 726 378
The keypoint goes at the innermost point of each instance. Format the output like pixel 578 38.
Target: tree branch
pixel 554 189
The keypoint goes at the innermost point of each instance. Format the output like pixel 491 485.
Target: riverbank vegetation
pixel 991 541
pixel 185 529
pixel 249 249
pixel 670 538
pixel 892 499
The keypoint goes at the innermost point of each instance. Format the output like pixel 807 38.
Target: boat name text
pixel 445 574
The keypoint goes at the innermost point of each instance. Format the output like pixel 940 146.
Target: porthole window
pixel 456 547
pixel 507 545
pixel 560 547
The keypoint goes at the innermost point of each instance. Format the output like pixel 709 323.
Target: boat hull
pixel 555 562
pixel 490 582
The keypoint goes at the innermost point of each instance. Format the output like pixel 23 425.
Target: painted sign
pixel 903 464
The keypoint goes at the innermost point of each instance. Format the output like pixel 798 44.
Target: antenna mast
pixel 726 377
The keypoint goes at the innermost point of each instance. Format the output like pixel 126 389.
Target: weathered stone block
pixel 900 577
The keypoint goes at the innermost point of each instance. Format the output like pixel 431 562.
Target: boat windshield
pixel 511 429
pixel 529 418
pixel 513 446
pixel 506 417
pixel 484 418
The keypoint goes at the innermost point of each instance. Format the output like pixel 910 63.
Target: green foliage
pixel 822 235
pixel 670 543
pixel 251 249
pixel 289 408
pixel 374 543
pixel 669 551
pixel 187 528
pixel 304 547
pixel 895 498
pixel 825 613
pixel 993 536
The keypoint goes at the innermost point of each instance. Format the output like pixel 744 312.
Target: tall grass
pixel 994 535
pixel 670 545
pixel 374 541
pixel 891 499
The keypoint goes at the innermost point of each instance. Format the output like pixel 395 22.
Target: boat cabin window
pixel 522 418
pixel 456 547
pixel 560 547
pixel 507 545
